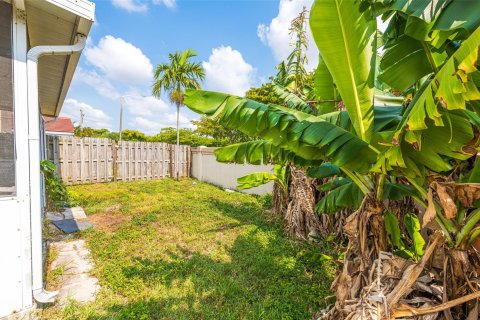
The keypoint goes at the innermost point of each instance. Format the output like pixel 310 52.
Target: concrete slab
pixel 55 216
pixel 77 213
pixel 72 225
pixel 76 282
pixel 69 213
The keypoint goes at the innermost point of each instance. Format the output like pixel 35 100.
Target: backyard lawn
pixel 188 250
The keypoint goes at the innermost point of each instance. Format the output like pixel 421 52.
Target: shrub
pixel 56 192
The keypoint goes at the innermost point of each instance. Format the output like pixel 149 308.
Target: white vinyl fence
pixel 206 168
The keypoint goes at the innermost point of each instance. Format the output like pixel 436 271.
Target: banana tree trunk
pixel 301 221
pixel 280 200
pixel 332 224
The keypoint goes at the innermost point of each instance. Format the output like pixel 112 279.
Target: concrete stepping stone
pixel 72 225
pixel 76 213
pixel 70 220
pixel 76 282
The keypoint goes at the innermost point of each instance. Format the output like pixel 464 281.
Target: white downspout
pixel 39 293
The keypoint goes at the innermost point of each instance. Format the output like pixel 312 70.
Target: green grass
pixel 189 250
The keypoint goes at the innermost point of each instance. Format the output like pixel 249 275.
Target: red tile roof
pixel 60 124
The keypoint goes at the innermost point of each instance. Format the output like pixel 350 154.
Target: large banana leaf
pixel 259 152
pixel 252 180
pixel 450 89
pixel 324 170
pixel 437 122
pixel 437 20
pixel 262 151
pixel 255 179
pixel 346 194
pixel 325 90
pixel 421 15
pixel 319 140
pixel 343 193
pixel 433 150
pixel 383 99
pixel 292 100
pixel 404 63
pixel 399 241
pixel 419 25
pixel 346 39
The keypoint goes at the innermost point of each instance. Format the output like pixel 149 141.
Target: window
pixel 7 142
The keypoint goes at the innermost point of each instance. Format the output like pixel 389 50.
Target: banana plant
pixel 430 59
pixel 422 140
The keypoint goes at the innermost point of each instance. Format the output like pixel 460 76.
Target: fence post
pixel 200 162
pixel 171 164
pixel 115 160
pixel 188 151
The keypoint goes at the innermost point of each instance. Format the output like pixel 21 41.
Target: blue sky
pixel 238 43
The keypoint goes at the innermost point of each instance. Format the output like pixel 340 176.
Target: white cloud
pixel 145 125
pixel 130 5
pixel 167 3
pixel 227 71
pixel 93 117
pixel 145 106
pixel 262 31
pixel 103 87
pixel 276 34
pixel 153 126
pixel 140 6
pixel 120 61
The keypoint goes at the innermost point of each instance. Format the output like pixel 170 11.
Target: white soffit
pixel 56 22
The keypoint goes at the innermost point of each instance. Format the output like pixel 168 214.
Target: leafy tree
pixel 174 77
pixel 209 127
pixel 95 133
pixel 264 94
pixel 187 137
pixel 133 135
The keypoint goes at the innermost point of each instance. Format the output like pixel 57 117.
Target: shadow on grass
pixel 264 279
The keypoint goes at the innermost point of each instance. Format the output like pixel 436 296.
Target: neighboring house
pixel 59 126
pixel 40 44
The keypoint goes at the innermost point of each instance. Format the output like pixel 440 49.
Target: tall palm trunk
pixel 177 159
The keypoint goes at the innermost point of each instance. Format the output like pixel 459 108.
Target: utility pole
pixel 121 115
pixel 81 119
pixel 122 102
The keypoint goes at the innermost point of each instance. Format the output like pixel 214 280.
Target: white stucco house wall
pixel 40 44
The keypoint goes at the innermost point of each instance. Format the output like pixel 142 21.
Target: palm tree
pixel 174 77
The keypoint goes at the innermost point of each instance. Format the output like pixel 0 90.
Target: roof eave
pixel 82 13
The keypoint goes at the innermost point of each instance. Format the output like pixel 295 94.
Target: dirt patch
pixel 113 208
pixel 107 221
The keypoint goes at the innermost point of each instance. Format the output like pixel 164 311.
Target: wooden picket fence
pixel 95 160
